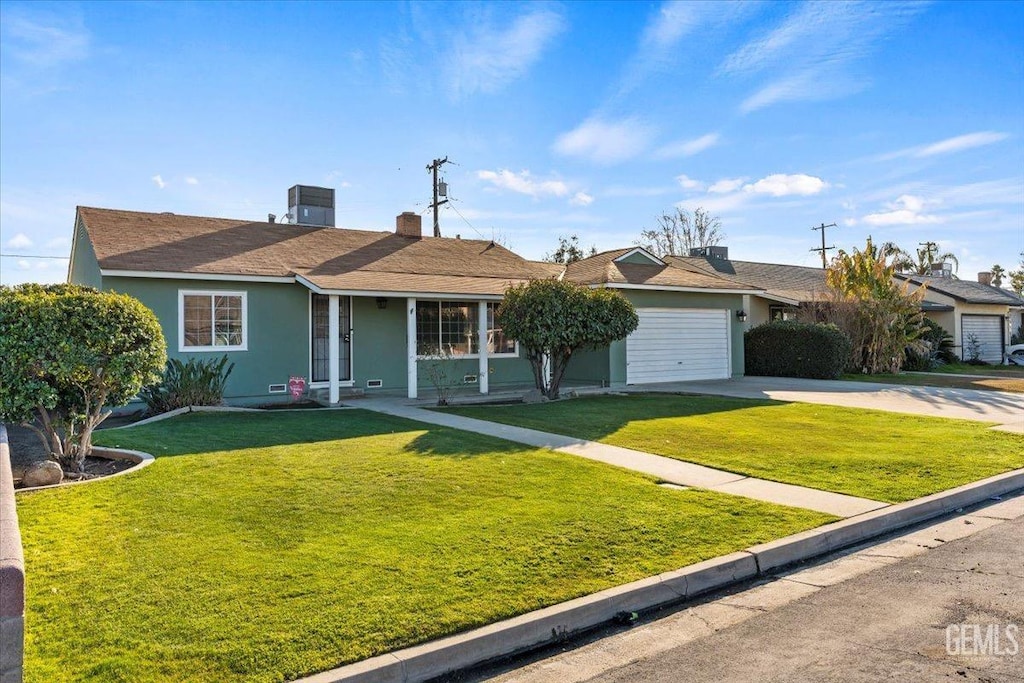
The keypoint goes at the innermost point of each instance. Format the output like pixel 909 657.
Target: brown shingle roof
pixel 602 269
pixel 967 291
pixel 795 283
pixel 331 258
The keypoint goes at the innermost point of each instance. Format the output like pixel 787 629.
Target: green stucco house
pixel 353 311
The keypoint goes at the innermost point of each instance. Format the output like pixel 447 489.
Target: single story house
pixel 353 311
pixel 964 308
pixel 979 315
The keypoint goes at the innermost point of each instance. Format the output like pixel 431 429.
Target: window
pixel 211 321
pixel 781 313
pixel 451 328
pixel 497 342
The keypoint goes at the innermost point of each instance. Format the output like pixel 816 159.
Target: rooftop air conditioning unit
pixel 311 205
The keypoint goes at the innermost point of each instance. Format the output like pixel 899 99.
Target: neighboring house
pixel 978 315
pixel 785 288
pixel 354 310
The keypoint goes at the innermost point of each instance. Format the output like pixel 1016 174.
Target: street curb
pixel 544 626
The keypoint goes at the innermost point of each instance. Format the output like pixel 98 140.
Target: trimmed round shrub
pixel 794 349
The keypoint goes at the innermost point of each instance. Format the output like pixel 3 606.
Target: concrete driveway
pixel 1003 408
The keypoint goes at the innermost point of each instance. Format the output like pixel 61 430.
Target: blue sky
pixel 904 121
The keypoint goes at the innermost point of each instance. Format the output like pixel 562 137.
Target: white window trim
pixel 182 293
pixel 467 356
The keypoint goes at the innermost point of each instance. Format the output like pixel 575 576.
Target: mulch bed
pixel 27 449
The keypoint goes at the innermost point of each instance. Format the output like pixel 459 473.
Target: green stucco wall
pixel 278 331
pixel 85 268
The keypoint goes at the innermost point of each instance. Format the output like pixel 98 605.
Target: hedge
pixel 793 349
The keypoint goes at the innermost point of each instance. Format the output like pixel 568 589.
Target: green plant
pixel 195 383
pixel 795 349
pixel 67 353
pixel 553 318
pixel 442 373
pixel 972 350
pixel 938 349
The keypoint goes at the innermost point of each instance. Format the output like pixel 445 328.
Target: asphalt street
pixel 944 602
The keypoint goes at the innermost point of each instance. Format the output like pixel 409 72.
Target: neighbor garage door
pixel 675 344
pixel 988 329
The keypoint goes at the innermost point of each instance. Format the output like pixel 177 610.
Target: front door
pixel 320 335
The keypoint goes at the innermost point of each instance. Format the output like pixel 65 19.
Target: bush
pixel 195 383
pixel 66 354
pixel 794 349
pixel 939 349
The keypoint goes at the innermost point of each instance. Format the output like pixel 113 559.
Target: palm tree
pixel 926 258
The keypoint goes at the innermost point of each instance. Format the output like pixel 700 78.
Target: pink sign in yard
pixel 296 385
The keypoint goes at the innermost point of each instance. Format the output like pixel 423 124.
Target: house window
pixel 211 321
pixel 451 328
pixel 497 343
pixel 781 313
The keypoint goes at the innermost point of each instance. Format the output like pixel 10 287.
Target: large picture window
pixel 211 321
pixel 451 328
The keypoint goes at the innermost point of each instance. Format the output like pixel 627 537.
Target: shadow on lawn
pixel 595 417
pixel 194 433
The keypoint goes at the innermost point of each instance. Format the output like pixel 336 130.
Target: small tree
pixel 998 272
pixel 881 317
pixel 551 319
pixel 569 251
pixel 67 352
pixel 679 232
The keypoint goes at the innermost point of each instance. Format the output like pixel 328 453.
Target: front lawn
pixel 871 454
pixel 263 547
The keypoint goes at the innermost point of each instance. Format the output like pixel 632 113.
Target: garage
pixel 678 344
pixel 988 330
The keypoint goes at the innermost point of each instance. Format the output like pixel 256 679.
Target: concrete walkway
pixel 667 469
pixel 1003 408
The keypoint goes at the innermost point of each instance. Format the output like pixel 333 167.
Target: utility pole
pixel 823 248
pixel 433 167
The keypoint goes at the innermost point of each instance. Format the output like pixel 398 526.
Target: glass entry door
pixel 321 338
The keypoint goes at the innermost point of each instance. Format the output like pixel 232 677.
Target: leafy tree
pixel 997 275
pixel 679 232
pixel 1017 277
pixel 921 263
pixel 67 352
pixel 569 251
pixel 551 319
pixel 881 316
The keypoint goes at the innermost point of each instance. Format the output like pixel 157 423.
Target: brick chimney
pixel 409 224
pixel 985 278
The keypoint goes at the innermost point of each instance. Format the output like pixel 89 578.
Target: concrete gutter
pixel 12 574
pixel 544 626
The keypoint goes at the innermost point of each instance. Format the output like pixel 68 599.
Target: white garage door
pixel 988 330
pixel 676 344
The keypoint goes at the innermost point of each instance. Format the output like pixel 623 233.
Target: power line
pixel 466 220
pixel 823 248
pixel 31 256
pixel 442 190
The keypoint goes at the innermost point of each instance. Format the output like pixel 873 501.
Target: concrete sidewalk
pixel 1000 407
pixel 668 469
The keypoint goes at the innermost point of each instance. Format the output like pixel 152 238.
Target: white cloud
pixel 491 58
pixel 58 243
pixel 524 183
pixel 726 185
pixel 189 180
pixel 687 148
pixel 782 185
pixel 906 210
pixel 605 142
pixel 582 199
pixel 20 241
pixel 158 181
pixel 688 183
pixel 23 264
pixel 809 55
pixel 959 143
pixel 44 40
pixel 849 222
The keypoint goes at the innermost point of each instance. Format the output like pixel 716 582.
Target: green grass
pixel 866 453
pixel 968 369
pixel 1012 382
pixel 263 547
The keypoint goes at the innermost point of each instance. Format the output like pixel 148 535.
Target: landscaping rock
pixel 43 473
pixel 534 396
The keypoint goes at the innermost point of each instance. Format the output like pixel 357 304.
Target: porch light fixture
pixel 382 303
pixel 741 315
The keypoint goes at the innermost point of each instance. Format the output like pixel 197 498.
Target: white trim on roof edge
pixel 669 288
pixel 386 293
pixel 643 252
pixel 780 299
pixel 219 277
